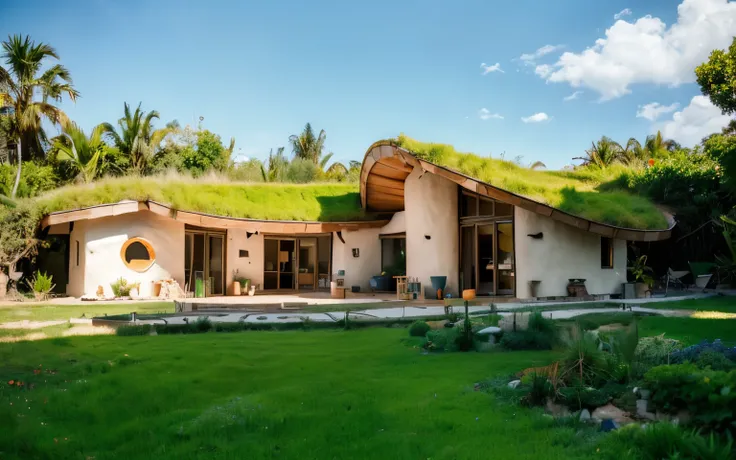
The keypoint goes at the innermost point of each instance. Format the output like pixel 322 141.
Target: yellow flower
pixel 706 379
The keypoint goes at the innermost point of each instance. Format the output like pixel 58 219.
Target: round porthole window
pixel 138 254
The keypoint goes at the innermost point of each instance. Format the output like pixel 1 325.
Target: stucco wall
pixel 564 252
pixel 397 224
pixel 100 241
pixel 358 270
pixel 431 210
pixel 248 267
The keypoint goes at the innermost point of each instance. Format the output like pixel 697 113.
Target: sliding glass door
pixel 204 263
pixel 301 263
pixel 487 258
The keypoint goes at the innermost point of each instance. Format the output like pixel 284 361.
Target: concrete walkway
pixel 383 313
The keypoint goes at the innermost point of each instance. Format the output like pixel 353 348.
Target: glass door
pixel 216 264
pixel 287 264
pixel 271 264
pixel 307 262
pixel 324 253
pixel 505 257
pixel 486 262
pixel 467 258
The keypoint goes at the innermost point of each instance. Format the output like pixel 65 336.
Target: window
pixel 137 254
pixel 606 252
pixel 77 241
pixel 393 254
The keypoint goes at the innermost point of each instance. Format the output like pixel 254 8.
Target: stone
pixel 514 383
pixel 490 330
pixel 608 425
pixel 611 412
pixel 644 394
pixel 585 415
pixel 642 406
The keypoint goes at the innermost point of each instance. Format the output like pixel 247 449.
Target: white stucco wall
pixel 431 209
pixel 101 240
pixel 358 270
pixel 397 224
pixel 564 252
pixel 248 267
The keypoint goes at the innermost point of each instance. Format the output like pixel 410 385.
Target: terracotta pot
pixel 235 288
pixel 468 294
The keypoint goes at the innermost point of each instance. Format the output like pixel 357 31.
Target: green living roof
pixel 310 202
pixel 591 193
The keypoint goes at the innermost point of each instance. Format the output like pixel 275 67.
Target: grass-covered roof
pixel 309 202
pixel 592 193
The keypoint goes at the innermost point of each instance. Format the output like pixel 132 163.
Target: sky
pixel 534 79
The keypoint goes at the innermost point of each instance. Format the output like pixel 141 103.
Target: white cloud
pixel 573 96
pixel 622 13
pixel 491 68
pixel 653 110
pixel 536 118
pixel 647 51
pixel 696 121
pixel 543 70
pixel 530 58
pixel 486 114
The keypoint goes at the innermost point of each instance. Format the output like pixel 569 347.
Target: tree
pixel 308 146
pixel 602 153
pixel 21 83
pixel 658 147
pixel 209 154
pixel 137 138
pixel 275 171
pixel 84 154
pixel 633 152
pixel 18 226
pixel 717 78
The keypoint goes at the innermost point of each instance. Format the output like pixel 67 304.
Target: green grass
pixel 590 193
pixel 310 202
pixel 50 312
pixel 722 303
pixel 325 394
pixel 689 330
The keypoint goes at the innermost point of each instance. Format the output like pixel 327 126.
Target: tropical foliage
pixel 717 78
pixel 29 91
pixel 84 154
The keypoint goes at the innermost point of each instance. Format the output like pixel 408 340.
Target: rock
pixel 585 415
pixel 514 383
pixel 608 425
pixel 611 412
pixel 490 330
pixel 642 410
pixel 556 410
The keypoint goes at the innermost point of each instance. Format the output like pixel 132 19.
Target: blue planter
pixel 438 282
pixel 380 283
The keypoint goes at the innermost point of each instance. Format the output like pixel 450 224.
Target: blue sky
pixel 258 71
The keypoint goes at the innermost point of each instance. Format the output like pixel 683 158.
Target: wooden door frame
pixel 296 239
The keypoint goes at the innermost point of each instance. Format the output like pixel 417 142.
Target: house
pixel 435 219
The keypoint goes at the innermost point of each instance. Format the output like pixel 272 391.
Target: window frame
pixel 610 253
pixel 141 266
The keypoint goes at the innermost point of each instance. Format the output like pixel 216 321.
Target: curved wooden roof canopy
pixel 386 167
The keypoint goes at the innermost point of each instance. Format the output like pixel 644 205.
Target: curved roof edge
pixel 200 219
pixel 386 166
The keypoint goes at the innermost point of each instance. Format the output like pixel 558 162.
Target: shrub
pixel 714 360
pixel 691 353
pixel 705 393
pixel 229 327
pixel 302 171
pixel 526 340
pixel 203 324
pixel 418 328
pixel 658 441
pixel 578 397
pixel 583 362
pixel 540 389
pixel 41 284
pixel 442 339
pixel 651 352
pixel 133 330
pixel 463 342
pixel 121 288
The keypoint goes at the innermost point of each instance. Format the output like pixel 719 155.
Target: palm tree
pixel 308 146
pixel 657 146
pixel 84 153
pixel 137 138
pixel 277 164
pixel 634 152
pixel 21 83
pixel 602 153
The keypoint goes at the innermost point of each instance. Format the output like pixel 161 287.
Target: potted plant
pixel 642 278
pixel 41 284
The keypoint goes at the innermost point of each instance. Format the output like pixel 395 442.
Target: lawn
pixel 722 303
pixel 52 312
pixel 320 394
